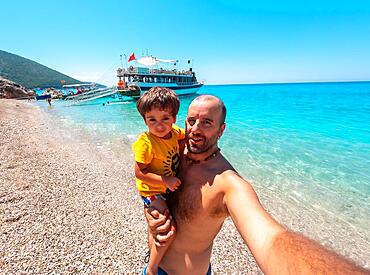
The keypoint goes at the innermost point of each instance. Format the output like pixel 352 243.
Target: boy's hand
pixel 171 182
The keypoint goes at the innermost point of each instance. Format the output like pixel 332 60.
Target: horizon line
pixel 293 82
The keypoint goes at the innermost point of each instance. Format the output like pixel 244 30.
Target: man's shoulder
pixel 230 179
pixel 224 167
pixel 227 175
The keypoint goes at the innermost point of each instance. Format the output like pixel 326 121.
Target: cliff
pixel 9 89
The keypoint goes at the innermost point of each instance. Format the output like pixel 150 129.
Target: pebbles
pixel 69 207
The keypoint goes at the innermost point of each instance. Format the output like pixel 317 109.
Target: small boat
pixel 50 93
pixel 87 92
pixel 77 89
pixel 134 81
pixel 43 96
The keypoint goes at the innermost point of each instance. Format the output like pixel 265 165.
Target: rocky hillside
pixel 9 89
pixel 30 74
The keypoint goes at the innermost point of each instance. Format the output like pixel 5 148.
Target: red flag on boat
pixel 132 57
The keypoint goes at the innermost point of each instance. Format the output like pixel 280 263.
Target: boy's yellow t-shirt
pixel 162 155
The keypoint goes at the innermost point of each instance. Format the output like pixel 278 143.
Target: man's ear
pixel 174 119
pixel 222 129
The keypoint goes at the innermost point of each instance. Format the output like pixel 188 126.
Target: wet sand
pixel 67 206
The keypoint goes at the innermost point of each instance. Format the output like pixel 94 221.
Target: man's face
pixel 203 126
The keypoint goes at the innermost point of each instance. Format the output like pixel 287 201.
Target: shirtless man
pixel 212 190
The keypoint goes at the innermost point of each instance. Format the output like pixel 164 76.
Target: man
pixel 212 190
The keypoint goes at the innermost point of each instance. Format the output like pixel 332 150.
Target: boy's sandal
pixel 146 257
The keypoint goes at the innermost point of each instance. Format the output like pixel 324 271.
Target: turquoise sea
pixel 305 147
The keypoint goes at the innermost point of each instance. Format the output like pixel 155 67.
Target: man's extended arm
pixel 277 250
pixel 292 253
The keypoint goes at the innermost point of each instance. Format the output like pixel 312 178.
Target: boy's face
pixel 160 122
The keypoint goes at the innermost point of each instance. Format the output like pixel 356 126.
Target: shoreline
pixel 69 206
pixel 288 83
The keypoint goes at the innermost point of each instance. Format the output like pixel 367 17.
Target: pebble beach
pixel 67 206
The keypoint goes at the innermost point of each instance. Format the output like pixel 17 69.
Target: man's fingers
pixel 163 238
pixel 155 218
pixel 153 212
pixel 163 228
pixel 157 243
pixel 156 223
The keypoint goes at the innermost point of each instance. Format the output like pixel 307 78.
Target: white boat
pixel 87 92
pixel 135 80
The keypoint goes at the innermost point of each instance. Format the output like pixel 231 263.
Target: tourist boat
pixel 135 80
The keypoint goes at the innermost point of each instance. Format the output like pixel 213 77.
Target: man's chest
pixel 198 197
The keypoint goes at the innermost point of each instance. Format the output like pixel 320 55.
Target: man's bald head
pixel 220 104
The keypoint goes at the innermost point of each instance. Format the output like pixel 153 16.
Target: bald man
pixel 212 190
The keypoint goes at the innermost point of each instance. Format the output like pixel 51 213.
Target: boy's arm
pixel 142 173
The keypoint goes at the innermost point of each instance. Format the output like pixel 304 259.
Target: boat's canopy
pixel 151 61
pixel 78 85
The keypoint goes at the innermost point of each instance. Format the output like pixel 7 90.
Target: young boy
pixel 157 156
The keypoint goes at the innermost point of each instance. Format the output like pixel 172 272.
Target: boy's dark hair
pixel 158 97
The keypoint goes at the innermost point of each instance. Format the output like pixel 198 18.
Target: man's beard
pixel 203 146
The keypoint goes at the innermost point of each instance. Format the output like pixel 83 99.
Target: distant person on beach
pixel 49 100
pixel 211 191
pixel 157 157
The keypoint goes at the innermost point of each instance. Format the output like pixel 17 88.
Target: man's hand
pixel 159 225
pixel 171 182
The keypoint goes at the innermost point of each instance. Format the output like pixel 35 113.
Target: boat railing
pixel 175 72
pixel 187 83
pixel 124 72
pixel 138 82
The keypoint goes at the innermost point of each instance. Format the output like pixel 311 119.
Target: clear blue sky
pixel 230 41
